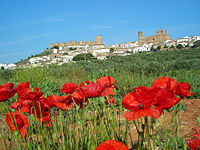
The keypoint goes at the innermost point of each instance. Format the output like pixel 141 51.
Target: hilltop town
pixel 60 53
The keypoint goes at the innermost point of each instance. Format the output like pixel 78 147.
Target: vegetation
pixel 79 57
pixel 172 46
pixel 129 71
pixel 72 48
pixel 179 46
pixel 65 53
pixel 88 127
pixel 112 50
pixel 158 48
pixel 196 43
pixel 165 46
pixel 56 47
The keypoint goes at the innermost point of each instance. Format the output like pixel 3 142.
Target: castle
pixel 160 36
pixel 81 43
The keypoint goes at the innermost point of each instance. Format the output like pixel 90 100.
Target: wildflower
pixel 7 91
pixel 18 121
pixel 112 145
pixel 69 88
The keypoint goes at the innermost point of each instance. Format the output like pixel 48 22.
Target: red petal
pixel 166 83
pixel 135 114
pixel 69 88
pixel 193 143
pixel 183 90
pixel 106 81
pixel 6 91
pixel 112 145
pixel 129 102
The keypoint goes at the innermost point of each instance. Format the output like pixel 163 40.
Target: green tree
pixel 152 48
pixel 172 46
pixel 158 48
pixel 165 46
pixel 71 48
pixel 179 46
pixel 56 47
pixel 196 43
pixel 79 57
pixel 112 50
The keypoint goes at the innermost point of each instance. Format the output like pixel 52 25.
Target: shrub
pixel 79 57
pixel 179 46
pixel 196 43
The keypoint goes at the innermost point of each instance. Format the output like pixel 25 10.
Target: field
pixel 88 127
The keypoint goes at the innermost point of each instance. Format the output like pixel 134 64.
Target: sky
pixel 27 27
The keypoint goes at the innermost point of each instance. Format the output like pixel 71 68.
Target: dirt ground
pixel 189 118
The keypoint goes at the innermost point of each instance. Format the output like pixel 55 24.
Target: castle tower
pixel 140 36
pixel 62 44
pixel 51 45
pixel 98 39
pixel 57 44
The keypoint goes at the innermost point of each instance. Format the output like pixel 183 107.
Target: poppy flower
pixel 166 99
pixel 194 144
pixel 25 93
pixel 16 106
pixel 183 90
pixel 135 114
pixel 142 97
pixel 21 88
pixel 64 103
pixel 17 121
pixel 109 83
pixel 6 91
pixel 112 145
pixel 89 91
pixel 69 88
pixel 106 81
pixel 197 132
pixel 166 83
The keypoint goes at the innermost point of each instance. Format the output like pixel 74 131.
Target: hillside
pixel 129 71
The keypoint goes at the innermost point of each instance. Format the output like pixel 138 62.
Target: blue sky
pixel 28 27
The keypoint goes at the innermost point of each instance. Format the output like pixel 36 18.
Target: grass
pixel 88 127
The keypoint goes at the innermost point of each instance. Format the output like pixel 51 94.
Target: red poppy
pixel 21 88
pixel 17 122
pixel 109 100
pixel 6 91
pixel 112 145
pixel 166 83
pixel 183 90
pixel 109 83
pixel 135 114
pixel 16 106
pixel 69 88
pixel 166 99
pixel 142 97
pixel 65 103
pixel 89 91
pixel 106 81
pixel 193 144
pixel 196 132
pixel 25 93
